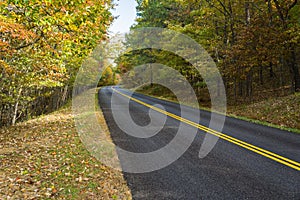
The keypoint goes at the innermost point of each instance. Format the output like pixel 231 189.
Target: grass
pixel 282 112
pixel 44 158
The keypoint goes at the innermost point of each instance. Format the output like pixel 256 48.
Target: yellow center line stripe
pixel 288 162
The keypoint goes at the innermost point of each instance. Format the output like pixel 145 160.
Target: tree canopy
pixel 43 44
pixel 253 42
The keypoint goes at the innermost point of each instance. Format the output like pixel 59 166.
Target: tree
pixel 43 44
pixel 254 42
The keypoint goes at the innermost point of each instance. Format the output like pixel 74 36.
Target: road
pixel 241 167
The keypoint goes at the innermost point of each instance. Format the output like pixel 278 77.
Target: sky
pixel 127 14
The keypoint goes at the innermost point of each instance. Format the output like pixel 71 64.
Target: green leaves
pixel 254 43
pixel 43 42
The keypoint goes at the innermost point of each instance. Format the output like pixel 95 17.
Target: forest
pixel 42 46
pixel 255 44
pixel 50 151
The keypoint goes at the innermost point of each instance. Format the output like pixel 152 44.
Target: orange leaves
pixel 13 35
pixel 4 46
pixel 42 45
pixel 63 9
pixel 15 31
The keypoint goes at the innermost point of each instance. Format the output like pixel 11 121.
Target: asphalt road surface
pixel 240 166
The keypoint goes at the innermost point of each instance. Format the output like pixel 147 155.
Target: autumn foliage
pixel 254 43
pixel 43 43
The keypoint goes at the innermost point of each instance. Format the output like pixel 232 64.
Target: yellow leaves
pixel 43 43
pixel 73 27
pixel 7 68
pixel 47 29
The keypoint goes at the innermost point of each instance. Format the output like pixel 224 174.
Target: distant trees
pixel 255 43
pixel 42 45
pixel 262 57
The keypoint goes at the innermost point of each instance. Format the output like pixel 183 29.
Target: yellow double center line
pixel 258 150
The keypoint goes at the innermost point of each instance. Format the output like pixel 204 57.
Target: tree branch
pixel 212 5
pixel 279 9
pixel 224 7
pixel 293 4
pixel 28 44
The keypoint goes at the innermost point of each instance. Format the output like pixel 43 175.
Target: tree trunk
pixel 261 78
pixel 151 75
pixel 247 12
pixel 65 94
pixel 249 85
pixel 295 70
pixel 241 88
pixel 16 108
pixel 235 92
pixel 270 13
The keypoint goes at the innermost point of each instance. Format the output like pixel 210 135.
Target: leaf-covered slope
pixel 44 158
pixel 282 111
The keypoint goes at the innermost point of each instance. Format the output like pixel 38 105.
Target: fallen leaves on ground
pixel 44 158
pixel 282 111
